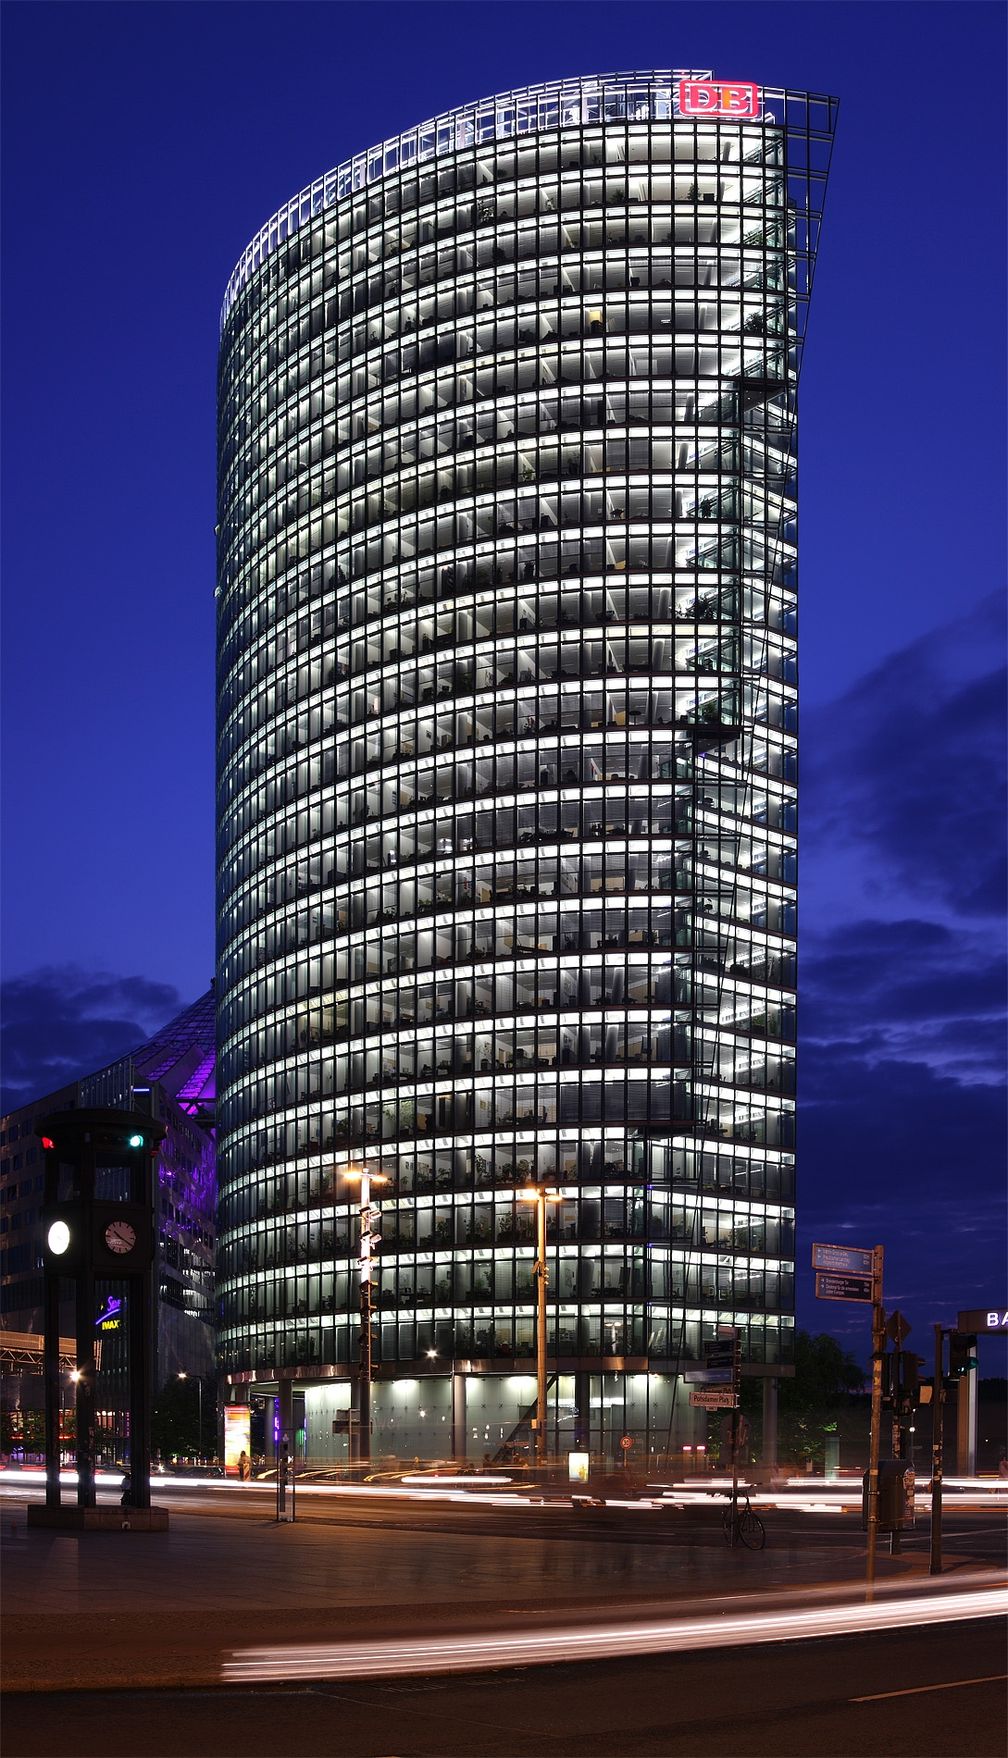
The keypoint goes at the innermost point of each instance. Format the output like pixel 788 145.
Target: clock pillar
pixel 99 1220
pixel 141 1382
pixel 86 1388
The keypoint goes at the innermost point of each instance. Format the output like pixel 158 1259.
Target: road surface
pixel 923 1693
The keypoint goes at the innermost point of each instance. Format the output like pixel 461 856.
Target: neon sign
pixel 737 99
pixel 108 1318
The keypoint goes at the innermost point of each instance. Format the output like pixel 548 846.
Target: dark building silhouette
pixel 169 1078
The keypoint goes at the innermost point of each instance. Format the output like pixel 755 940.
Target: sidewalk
pixel 124 1611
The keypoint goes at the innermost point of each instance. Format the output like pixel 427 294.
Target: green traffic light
pixel 136 1141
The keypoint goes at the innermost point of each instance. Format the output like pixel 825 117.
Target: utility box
pixel 897 1487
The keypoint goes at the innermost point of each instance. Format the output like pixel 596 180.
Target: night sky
pixel 143 147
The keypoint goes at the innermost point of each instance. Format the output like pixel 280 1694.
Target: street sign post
pixel 853 1259
pixel 937 1451
pixel 878 1350
pixel 719 1364
pixel 854 1272
pixel 832 1287
pixel 714 1398
pixel 897 1329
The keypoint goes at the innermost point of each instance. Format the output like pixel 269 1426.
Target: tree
pixel 825 1378
pixel 175 1426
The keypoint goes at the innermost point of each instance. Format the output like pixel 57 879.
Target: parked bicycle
pixel 741 1525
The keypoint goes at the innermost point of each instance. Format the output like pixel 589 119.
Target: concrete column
pixel 459 1433
pixel 270 1447
pixel 966 1423
pixel 770 1389
pixel 582 1410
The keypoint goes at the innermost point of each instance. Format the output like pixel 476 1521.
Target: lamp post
pixel 199 1388
pixel 368 1239
pixel 538 1194
pixel 74 1378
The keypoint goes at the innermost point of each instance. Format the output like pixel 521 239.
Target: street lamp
pixel 368 1239
pixel 538 1194
pixel 199 1388
pixel 74 1376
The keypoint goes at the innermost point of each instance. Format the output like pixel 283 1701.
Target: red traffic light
pixel 47 1142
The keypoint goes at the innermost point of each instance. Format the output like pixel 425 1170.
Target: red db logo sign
pixel 737 99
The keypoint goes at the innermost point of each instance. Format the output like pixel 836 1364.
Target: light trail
pixel 802 1495
pixel 438 1479
pixel 33 1481
pixel 393 1658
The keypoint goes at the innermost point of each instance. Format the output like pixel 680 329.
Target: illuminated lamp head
pixel 58 1238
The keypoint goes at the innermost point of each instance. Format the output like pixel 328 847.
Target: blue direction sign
pixel 853 1259
pixel 829 1287
pixel 720 1363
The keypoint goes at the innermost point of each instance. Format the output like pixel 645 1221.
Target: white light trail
pixel 451 1654
pixel 437 1480
pixel 500 1491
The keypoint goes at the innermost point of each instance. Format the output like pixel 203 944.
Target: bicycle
pixel 742 1525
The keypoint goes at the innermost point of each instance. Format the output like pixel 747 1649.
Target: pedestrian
pixel 126 1499
pixel 244 1466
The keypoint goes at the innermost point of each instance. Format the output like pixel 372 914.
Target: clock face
pixel 120 1236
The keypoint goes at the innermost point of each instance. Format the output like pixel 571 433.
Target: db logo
pixel 737 98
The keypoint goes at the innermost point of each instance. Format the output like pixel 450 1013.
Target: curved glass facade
pixel 506 755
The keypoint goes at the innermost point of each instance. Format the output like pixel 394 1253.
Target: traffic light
pixel 901 1379
pixel 912 1365
pixel 962 1353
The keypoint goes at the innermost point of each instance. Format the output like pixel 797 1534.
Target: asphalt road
pixel 935 1692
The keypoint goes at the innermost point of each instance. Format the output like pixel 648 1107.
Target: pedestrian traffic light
pixel 890 1388
pixel 962 1353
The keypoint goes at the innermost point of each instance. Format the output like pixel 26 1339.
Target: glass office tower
pixel 507 760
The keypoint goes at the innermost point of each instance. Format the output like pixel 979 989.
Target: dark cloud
pixel 59 1023
pixel 895 1153
pixel 901 1099
pixel 928 990
pixel 911 764
pixel 942 1258
pixel 884 1131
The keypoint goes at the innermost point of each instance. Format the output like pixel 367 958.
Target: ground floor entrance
pixel 644 1420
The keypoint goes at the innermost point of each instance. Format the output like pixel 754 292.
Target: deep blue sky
pixel 143 146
